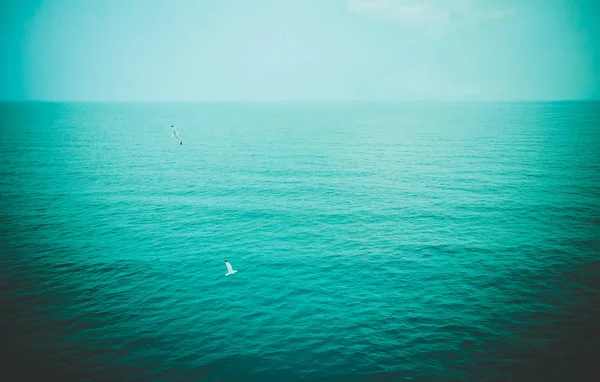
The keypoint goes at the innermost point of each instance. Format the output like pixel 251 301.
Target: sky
pixel 214 50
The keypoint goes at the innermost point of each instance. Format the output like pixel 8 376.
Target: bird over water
pixel 176 135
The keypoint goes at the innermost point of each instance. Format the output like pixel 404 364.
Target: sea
pixel 374 241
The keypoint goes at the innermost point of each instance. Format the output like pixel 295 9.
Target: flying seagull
pixel 230 270
pixel 176 135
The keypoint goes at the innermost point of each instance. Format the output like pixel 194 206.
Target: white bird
pixel 176 135
pixel 230 270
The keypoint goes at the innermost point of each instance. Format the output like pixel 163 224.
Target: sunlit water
pixel 378 240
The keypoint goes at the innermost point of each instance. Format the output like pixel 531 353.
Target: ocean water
pixel 374 241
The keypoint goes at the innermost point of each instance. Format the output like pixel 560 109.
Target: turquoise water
pixel 374 241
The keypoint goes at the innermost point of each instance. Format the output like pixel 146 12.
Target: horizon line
pixel 519 100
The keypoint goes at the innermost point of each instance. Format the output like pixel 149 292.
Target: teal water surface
pixel 374 241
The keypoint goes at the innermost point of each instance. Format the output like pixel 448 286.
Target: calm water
pixel 376 241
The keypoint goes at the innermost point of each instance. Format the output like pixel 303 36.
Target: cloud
pixel 429 17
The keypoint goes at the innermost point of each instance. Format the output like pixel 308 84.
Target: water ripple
pixel 373 242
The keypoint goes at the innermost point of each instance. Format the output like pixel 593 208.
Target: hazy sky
pixel 299 49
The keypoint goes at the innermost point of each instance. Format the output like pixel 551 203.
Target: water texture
pixel 374 241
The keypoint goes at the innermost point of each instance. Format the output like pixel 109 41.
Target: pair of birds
pixel 230 270
pixel 176 135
